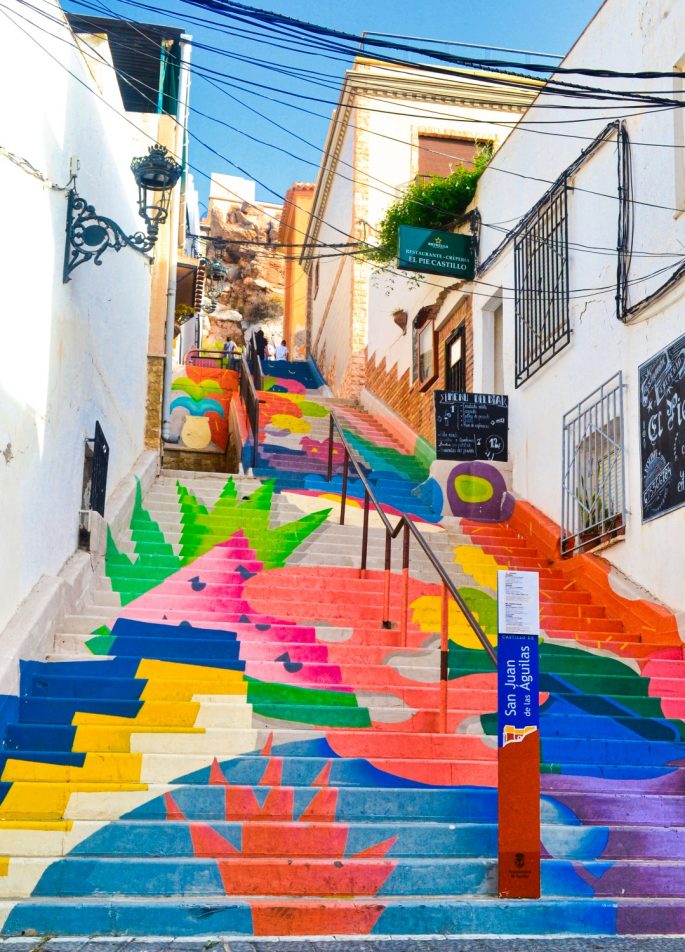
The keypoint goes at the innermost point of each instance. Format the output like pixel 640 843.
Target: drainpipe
pixel 183 93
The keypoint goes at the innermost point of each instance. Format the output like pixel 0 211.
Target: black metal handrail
pixel 205 358
pixel 257 372
pixel 248 395
pixel 404 522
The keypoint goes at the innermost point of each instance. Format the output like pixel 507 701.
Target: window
pixel 455 360
pixel 592 487
pixel 440 155
pixel 541 296
pixel 424 348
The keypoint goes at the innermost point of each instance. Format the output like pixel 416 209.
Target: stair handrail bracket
pixel 407 527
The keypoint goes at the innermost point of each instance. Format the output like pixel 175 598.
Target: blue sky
pixel 525 24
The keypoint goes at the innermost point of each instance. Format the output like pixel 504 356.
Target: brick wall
pixel 153 406
pixel 412 404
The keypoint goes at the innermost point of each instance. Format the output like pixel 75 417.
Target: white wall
pixel 331 308
pixel 70 354
pixel 625 35
pixel 393 133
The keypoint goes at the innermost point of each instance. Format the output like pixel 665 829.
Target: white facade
pixel 625 35
pixel 74 353
pixel 371 155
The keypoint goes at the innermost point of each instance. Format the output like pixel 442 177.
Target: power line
pixel 401 141
pixel 548 86
pixel 577 293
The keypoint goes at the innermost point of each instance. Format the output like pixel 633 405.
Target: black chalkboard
pixel 471 426
pixel 662 430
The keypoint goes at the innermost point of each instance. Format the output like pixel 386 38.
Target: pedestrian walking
pixel 260 343
pixel 282 351
pixel 229 354
pixel 270 351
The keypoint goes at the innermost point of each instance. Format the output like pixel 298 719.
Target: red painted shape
pixel 283 877
pixel 242 804
pixel 216 775
pixel 294 839
pixel 323 806
pixel 322 778
pixel 378 849
pixel 312 918
pixel 173 811
pixel 273 773
pixel 208 843
pixel 591 572
pixel 266 749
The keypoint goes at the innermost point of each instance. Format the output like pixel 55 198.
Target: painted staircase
pixel 227 741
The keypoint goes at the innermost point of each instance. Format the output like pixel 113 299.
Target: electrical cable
pixel 574 294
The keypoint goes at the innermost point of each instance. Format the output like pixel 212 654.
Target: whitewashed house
pixel 90 349
pixel 391 126
pixel 589 341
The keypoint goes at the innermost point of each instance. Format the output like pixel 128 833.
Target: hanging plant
pixel 434 203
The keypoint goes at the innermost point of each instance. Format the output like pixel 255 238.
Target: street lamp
pixel 89 235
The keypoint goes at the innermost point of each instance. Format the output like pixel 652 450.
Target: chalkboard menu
pixel 471 426
pixel 662 430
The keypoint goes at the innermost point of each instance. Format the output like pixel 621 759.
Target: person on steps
pixel 282 351
pixel 260 343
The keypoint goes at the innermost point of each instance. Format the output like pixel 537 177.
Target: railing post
pixel 365 533
pixel 386 579
pixel 330 447
pixel 405 587
pixel 444 655
pixel 255 448
pixel 344 490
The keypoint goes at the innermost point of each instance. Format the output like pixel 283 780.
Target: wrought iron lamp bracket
pixel 89 235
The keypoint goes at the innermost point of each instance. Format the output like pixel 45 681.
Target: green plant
pixel 428 204
pixel 593 510
pixel 183 313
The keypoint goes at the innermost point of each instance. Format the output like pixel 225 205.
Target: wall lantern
pixel 217 276
pixel 89 235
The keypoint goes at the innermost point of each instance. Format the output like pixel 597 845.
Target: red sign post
pixel 518 735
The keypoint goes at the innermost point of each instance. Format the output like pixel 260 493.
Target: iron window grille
pixel 455 361
pixel 593 474
pixel 541 296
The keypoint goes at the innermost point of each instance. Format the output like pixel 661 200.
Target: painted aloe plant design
pixel 202 528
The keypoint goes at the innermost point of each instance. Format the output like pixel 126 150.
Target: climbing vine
pixel 428 204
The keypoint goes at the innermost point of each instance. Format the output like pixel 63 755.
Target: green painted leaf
pixel 156 558
pixel 203 529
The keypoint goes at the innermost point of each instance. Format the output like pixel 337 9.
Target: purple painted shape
pixel 498 508
pixel 653 918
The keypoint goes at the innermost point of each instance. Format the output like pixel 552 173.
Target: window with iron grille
pixel 455 360
pixel 593 482
pixel 541 295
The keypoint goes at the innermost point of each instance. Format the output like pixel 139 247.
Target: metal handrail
pixel 257 372
pixel 248 395
pixel 215 357
pixel 406 524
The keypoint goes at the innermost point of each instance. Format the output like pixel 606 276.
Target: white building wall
pixel 625 35
pixel 70 354
pixel 330 329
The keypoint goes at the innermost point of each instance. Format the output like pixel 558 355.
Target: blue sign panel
pixel 518 685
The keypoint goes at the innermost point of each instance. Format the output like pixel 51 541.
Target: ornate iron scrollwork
pixel 89 235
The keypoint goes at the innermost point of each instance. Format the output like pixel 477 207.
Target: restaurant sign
pixel 435 252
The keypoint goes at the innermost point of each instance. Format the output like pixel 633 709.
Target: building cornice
pixel 374 79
